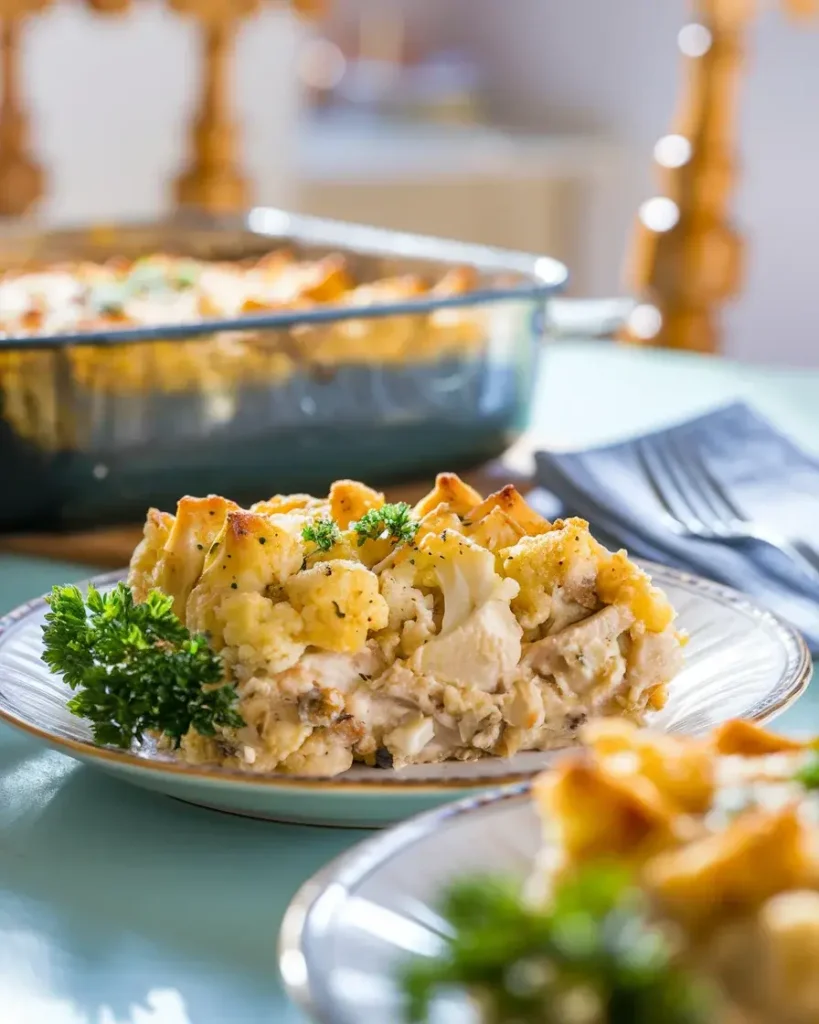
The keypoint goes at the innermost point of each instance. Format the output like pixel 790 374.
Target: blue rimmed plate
pixel 350 928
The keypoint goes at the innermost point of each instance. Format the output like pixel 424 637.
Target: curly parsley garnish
pixel 135 668
pixel 323 532
pixel 392 521
pixel 593 954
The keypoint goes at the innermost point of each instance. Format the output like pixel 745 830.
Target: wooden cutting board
pixel 110 547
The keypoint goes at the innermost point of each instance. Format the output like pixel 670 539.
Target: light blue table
pixel 122 907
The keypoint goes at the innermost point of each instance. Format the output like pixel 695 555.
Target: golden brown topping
pixel 681 770
pixel 288 503
pixel 735 871
pixel 145 562
pixel 509 500
pixel 457 281
pixel 197 524
pixel 452 491
pixel 601 813
pixel 350 500
pixel 750 740
pixel 620 580
pixel 495 531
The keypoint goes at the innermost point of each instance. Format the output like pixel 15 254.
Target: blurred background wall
pixel 590 83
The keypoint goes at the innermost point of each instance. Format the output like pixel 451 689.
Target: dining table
pixel 122 906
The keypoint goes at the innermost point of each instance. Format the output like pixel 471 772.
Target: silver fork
pixel 697 506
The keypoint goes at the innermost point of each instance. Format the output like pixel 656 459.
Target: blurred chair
pixel 21 177
pixel 688 258
pixel 213 181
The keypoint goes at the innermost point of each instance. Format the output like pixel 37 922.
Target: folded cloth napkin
pixel 765 474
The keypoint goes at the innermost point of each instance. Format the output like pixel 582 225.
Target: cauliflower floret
pixel 251 554
pixel 410 611
pixel 465 574
pixel 345 548
pixel 197 523
pixel 479 640
pixel 339 603
pixel 620 581
pixel 260 637
pixel 349 500
pixel 564 557
pixel 437 520
pixel 254 552
pixel 147 558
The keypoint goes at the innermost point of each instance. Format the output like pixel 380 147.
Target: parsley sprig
pixel 392 521
pixel 134 667
pixel 322 532
pixel 594 947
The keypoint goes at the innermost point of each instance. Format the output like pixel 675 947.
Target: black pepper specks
pixel 234 586
pixel 262 540
pixel 201 547
pixel 339 612
pixel 383 758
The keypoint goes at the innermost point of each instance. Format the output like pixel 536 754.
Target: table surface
pixel 119 906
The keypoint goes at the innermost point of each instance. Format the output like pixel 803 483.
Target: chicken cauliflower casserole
pixel 357 631
pixel 721 834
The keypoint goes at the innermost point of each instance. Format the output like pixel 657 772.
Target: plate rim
pixel 350 868
pixel 788 635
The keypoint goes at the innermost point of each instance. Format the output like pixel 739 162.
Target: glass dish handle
pixel 586 318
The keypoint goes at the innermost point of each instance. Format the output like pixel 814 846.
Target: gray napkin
pixel 765 473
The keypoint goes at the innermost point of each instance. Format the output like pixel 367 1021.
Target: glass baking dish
pixel 96 426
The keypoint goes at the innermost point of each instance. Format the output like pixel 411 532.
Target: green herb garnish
pixel 135 668
pixel 593 955
pixel 147 275
pixel 808 774
pixel 393 521
pixel 324 533
pixel 108 298
pixel 185 275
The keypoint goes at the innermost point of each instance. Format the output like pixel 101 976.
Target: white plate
pixel 351 928
pixel 741 662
